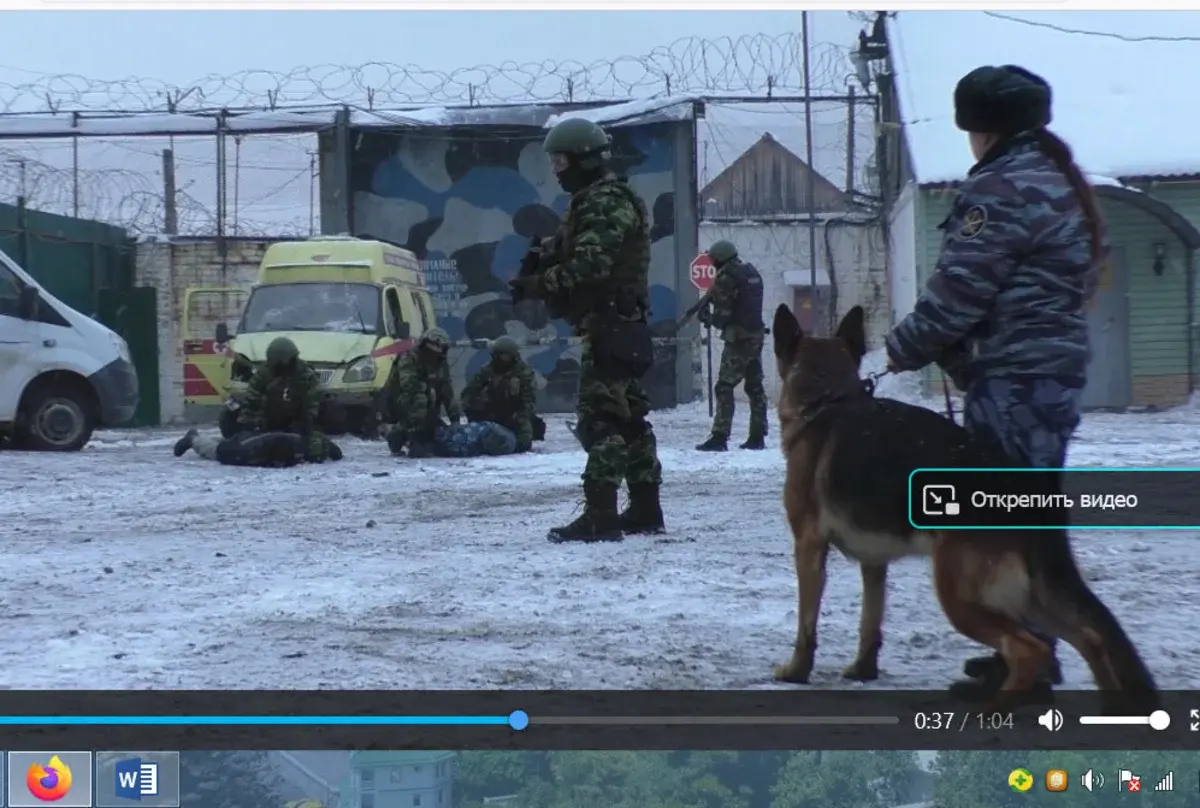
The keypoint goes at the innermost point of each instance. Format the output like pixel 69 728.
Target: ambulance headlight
pixel 360 370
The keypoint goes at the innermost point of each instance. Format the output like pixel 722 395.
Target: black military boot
pixel 185 443
pixel 644 515
pixel 599 520
pixel 994 667
pixel 715 443
pixel 988 674
pixel 756 441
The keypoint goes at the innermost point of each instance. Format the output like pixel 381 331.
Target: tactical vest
pixel 747 311
pixel 631 264
pixel 285 402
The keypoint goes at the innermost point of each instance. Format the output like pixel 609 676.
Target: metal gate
pixel 133 313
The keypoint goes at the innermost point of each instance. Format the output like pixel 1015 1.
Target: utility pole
pixel 170 201
pixel 810 200
pixel 75 176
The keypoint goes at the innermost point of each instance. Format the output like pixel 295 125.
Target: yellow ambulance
pixel 352 306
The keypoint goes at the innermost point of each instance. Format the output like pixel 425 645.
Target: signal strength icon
pixel 1167 783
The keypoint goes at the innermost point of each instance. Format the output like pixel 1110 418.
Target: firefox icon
pixel 49 783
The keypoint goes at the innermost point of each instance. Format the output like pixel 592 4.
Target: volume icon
pixel 1051 720
pixel 1092 780
pixel 1167 783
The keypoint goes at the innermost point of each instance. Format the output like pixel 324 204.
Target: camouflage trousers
pixel 741 363
pixel 1030 420
pixel 612 427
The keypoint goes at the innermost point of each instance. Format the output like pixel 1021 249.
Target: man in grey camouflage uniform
pixel 736 308
pixel 1003 313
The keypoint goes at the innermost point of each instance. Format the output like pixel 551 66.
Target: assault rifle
pixel 530 266
pixel 688 315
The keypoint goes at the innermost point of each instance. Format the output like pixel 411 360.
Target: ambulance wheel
pixel 57 415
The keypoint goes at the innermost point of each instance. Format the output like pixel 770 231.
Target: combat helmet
pixel 582 139
pixel 722 252
pixel 281 353
pixel 435 339
pixel 505 346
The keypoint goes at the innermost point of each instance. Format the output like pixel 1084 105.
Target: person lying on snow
pixel 504 392
pixel 277 418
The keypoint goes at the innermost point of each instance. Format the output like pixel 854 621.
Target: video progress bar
pixel 720 720
pixel 517 720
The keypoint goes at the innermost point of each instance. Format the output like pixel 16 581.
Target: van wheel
pixel 57 417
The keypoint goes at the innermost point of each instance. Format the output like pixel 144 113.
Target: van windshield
pixel 347 308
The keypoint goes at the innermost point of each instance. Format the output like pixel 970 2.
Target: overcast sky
pixel 179 46
pixel 48 52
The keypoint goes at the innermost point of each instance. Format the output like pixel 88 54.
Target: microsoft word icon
pixel 135 779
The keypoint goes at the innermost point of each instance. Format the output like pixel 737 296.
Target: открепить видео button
pixel 1078 498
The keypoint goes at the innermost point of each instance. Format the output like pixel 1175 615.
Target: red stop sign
pixel 703 272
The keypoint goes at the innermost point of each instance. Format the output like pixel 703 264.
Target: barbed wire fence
pixel 270 180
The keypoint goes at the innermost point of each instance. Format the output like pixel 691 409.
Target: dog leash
pixel 872 382
pixel 949 401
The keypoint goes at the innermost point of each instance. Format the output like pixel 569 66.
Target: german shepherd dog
pixel 849 456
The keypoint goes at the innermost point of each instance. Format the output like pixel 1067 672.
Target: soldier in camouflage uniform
pixel 1003 313
pixel 419 390
pixel 595 274
pixel 277 418
pixel 504 391
pixel 736 308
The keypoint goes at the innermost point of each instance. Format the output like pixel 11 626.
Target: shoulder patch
pixel 973 222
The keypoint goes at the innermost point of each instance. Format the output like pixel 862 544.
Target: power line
pixel 1083 32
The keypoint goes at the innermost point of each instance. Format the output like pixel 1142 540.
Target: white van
pixel 62 374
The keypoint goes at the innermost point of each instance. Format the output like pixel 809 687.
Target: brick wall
pixel 174 265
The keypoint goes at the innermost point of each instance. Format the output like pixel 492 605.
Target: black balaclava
pixel 575 177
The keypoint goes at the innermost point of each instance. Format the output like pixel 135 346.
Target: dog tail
pixel 1086 623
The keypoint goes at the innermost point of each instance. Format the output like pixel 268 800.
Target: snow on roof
pixel 1124 106
pixel 669 108
pixel 69 124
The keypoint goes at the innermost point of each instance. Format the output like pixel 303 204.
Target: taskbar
pixel 593 720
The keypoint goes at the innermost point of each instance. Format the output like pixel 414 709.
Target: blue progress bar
pixel 517 720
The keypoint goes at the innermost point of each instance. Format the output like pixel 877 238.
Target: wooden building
pixel 768 180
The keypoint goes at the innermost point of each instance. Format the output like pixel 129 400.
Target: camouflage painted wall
pixel 466 201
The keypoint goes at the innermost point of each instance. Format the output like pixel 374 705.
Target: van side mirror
pixel 27 302
pixel 222 333
pixel 403 331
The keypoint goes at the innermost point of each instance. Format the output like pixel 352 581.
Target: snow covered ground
pixel 126 568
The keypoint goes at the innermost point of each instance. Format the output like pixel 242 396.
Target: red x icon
pixel 1135 784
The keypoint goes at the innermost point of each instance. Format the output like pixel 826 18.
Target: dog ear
pixel 853 331
pixel 787 332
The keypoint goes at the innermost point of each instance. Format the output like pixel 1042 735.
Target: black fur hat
pixel 1001 100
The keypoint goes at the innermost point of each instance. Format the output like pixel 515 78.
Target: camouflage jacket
pixel 421 393
pixel 599 261
pixel 1007 296
pixel 508 397
pixel 288 403
pixel 725 304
